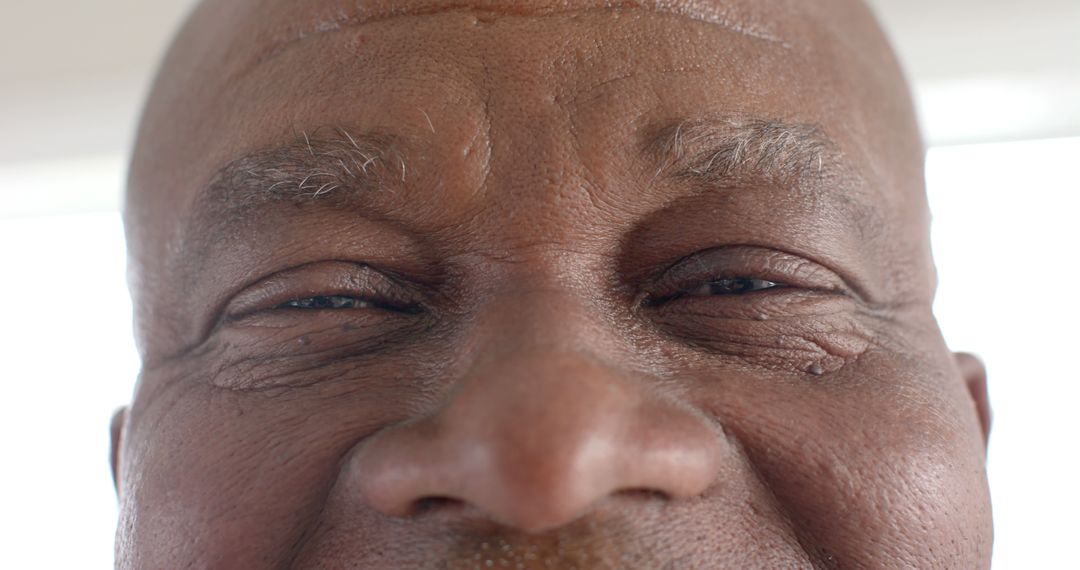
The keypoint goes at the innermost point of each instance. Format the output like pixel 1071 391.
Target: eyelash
pixel 714 287
pixel 326 302
pixel 733 286
pixel 717 276
pixel 343 302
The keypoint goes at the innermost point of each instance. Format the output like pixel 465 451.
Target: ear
pixel 974 373
pixel 117 428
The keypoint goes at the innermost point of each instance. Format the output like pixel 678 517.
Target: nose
pixel 536 435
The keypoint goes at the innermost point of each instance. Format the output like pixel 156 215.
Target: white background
pixel 1000 73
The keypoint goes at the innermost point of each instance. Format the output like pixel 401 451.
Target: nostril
pixel 430 504
pixel 644 494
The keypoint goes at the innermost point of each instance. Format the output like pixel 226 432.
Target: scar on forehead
pixel 720 14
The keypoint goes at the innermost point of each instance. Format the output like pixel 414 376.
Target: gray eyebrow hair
pixel 314 165
pixel 721 151
pixel 327 163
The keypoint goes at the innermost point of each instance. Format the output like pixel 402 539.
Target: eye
pixel 734 272
pixel 716 287
pixel 327 302
pixel 346 302
pixel 730 286
pixel 353 289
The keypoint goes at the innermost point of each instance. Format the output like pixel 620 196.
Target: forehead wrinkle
pixel 710 11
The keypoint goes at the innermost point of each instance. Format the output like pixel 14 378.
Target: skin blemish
pixel 844 345
pixel 304 340
pixel 816 369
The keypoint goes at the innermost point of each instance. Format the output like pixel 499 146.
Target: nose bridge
pixel 543 364
pixel 541 317
pixel 542 401
pixel 545 397
pixel 544 421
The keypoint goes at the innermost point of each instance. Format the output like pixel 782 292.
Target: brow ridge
pixel 722 150
pixel 315 164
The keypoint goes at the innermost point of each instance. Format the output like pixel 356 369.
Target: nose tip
pixel 538 446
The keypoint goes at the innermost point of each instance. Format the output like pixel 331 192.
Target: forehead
pixel 273 25
pixel 289 66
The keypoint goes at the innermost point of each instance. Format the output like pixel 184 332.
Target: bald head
pixel 593 284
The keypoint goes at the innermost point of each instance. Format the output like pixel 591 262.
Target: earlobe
pixel 974 373
pixel 116 428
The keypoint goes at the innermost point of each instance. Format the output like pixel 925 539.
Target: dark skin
pixel 540 285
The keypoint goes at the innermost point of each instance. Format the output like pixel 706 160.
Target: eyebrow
pixel 737 153
pixel 722 151
pixel 329 164
pixel 315 164
pixel 717 152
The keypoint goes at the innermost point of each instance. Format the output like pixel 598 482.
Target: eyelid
pixel 785 269
pixel 320 279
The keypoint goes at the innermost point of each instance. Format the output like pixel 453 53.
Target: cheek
pixel 875 463
pixel 221 479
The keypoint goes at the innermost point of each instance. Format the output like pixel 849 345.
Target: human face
pixel 540 285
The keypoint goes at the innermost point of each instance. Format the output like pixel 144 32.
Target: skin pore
pixel 468 284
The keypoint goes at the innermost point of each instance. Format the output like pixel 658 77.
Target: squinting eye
pixel 732 286
pixel 327 302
